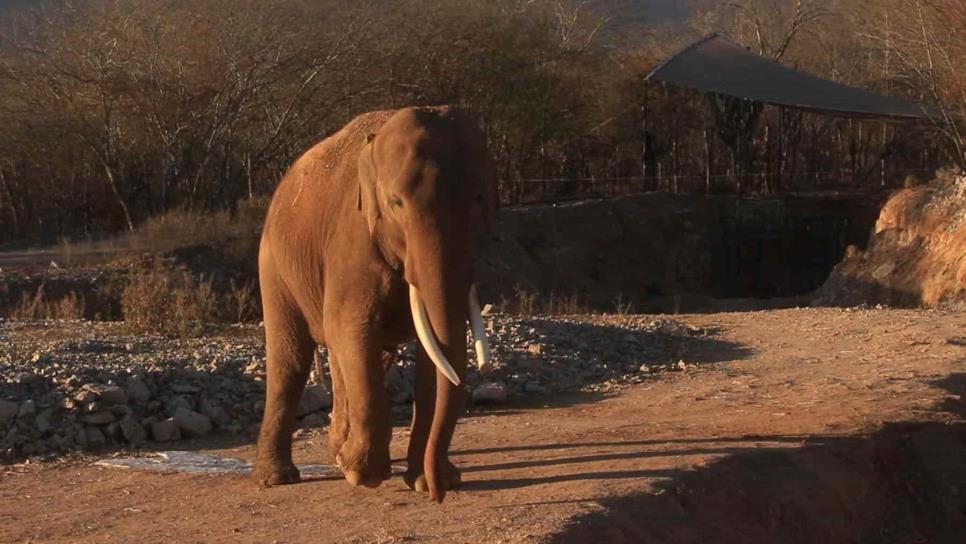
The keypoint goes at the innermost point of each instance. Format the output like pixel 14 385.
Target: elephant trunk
pixel 448 316
pixel 439 283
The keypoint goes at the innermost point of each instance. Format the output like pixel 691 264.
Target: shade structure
pixel 718 65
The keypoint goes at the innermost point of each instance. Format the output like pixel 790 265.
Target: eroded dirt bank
pixel 917 253
pixel 829 425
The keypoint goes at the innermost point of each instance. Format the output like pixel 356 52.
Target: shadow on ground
pixel 904 483
pixel 565 355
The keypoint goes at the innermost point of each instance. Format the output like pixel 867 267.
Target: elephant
pixel 370 241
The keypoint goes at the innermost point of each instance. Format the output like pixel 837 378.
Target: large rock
pixel 213 411
pixel 138 392
pixel 42 423
pixel 315 397
pixel 27 408
pixel 176 404
pixel 491 392
pixel 165 430
pixel 95 438
pixel 314 421
pixel 8 411
pixel 192 423
pixel 109 395
pixel 132 431
pixel 99 418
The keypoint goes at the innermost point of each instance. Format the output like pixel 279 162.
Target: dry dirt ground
pixel 826 425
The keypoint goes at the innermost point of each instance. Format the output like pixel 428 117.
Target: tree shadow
pixel 558 354
pixel 903 483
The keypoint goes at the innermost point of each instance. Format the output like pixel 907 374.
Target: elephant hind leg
pixel 289 348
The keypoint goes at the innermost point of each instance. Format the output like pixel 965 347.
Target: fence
pixel 549 190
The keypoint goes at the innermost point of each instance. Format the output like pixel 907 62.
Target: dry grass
pixel 169 301
pixel 39 305
pixel 165 299
pixel 235 235
pixel 527 303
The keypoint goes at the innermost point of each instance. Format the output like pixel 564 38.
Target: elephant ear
pixel 368 202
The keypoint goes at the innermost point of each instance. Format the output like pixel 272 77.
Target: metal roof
pixel 717 65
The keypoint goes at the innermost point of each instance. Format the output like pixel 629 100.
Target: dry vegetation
pixel 115 112
pixel 39 305
pixel 161 298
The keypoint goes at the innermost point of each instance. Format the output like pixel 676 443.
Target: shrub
pixel 40 306
pixel 168 301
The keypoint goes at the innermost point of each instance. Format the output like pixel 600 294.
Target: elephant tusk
pixel 424 332
pixel 480 343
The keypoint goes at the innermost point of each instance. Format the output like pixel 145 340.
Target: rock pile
pixel 80 385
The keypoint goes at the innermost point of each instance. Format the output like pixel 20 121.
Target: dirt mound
pixel 917 254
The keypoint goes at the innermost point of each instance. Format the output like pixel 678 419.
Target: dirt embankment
pixel 917 254
pixel 654 252
pixel 664 252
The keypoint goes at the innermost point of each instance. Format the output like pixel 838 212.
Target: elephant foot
pixel 359 473
pixel 267 474
pixel 416 480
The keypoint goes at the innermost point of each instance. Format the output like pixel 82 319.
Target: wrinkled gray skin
pixel 395 199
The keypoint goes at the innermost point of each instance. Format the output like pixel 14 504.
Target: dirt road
pixel 833 426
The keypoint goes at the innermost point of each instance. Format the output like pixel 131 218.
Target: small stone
pixel 132 431
pixel 95 438
pixel 8 411
pixel 84 397
pixel 99 418
pixel 495 392
pixel 682 365
pixel 487 309
pixel 192 423
pixel 138 392
pixel 314 398
pixel 535 349
pixel 166 430
pixel 644 368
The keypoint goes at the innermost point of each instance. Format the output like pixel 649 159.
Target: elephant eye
pixel 395 202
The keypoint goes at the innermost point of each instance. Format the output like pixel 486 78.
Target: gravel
pixel 69 385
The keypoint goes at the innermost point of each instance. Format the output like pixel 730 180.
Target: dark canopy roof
pixel 718 65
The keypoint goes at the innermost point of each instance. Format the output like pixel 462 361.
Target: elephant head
pixel 427 190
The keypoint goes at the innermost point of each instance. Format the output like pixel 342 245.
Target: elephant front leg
pixel 339 421
pixel 364 453
pixel 424 402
